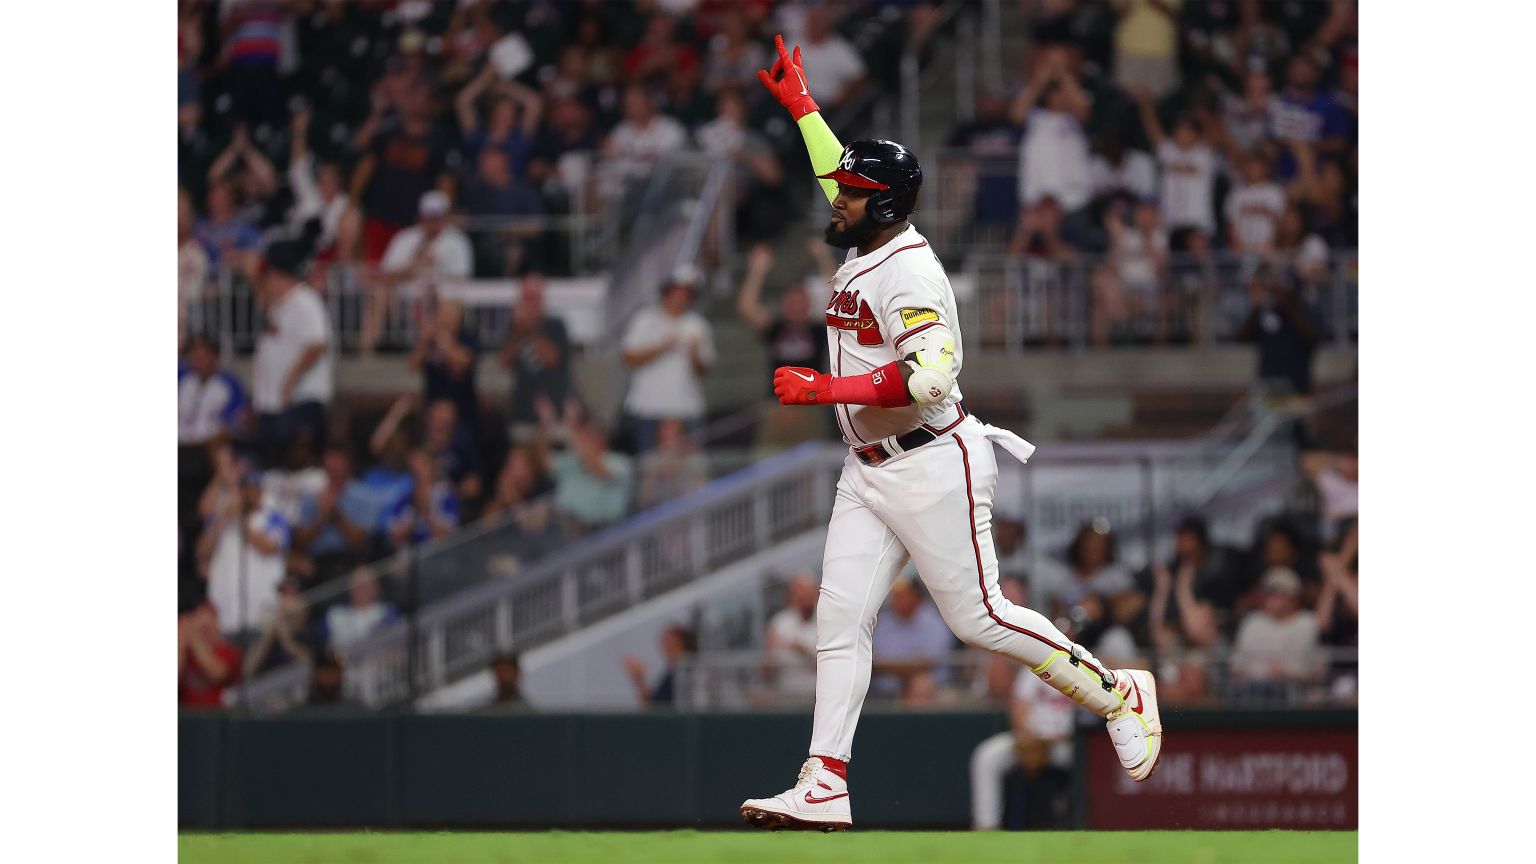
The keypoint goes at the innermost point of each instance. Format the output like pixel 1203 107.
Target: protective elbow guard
pixel 932 359
pixel 929 385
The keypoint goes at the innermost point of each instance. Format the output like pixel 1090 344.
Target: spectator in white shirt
pixel 363 613
pixel 1254 209
pixel 642 139
pixel 296 484
pixel 1337 478
pixel 1053 154
pixel 192 265
pixel 1039 739
pixel 670 349
pixel 294 371
pixel 417 259
pixel 246 545
pixel 1278 641
pixel 1128 288
pixel 839 70
pixel 791 638
pixel 725 135
pixel 210 401
pixel 211 409
pixel 1119 171
pixel 319 193
pixel 1189 171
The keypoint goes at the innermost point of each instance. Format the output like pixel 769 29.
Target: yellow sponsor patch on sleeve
pixel 913 317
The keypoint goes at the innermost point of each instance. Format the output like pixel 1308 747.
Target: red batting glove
pixel 787 82
pixel 796 385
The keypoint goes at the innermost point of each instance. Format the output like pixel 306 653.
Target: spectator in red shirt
pixel 659 53
pixel 406 158
pixel 208 663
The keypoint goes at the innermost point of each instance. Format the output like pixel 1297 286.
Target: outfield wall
pixel 663 770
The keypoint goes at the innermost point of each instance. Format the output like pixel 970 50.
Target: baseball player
pixel 919 478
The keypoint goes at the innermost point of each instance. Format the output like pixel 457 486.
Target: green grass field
pixel 857 847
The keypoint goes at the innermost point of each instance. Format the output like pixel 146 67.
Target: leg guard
pixel 1083 680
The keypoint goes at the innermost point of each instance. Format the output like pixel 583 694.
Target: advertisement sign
pixel 1230 779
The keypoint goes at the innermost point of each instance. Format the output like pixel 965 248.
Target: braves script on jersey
pixel 931 503
pixel 879 301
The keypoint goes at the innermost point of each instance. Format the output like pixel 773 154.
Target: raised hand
pixel 760 258
pixel 787 82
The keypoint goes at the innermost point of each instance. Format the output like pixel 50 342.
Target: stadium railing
pixel 572 586
pixel 754 679
pixel 969 212
pixel 621 229
pixel 613 249
pixel 1011 303
pixel 1006 304
pixel 477 597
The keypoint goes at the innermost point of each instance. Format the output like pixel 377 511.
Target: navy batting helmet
pixel 888 168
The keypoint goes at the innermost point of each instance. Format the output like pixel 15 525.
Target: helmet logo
pixel 846 164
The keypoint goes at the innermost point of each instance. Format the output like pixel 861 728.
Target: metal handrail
pixel 682 540
pixel 1198 300
pixel 722 521
pixel 1270 420
pixel 714 186
pixel 631 284
pixel 749 678
pixel 317 596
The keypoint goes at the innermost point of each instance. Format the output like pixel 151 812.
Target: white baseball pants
pixel 934 504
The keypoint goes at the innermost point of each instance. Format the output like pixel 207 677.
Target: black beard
pixel 852 234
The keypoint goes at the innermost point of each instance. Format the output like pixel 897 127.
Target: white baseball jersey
pixel 931 504
pixel 879 301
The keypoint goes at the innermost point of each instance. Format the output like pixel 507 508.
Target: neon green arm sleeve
pixel 824 149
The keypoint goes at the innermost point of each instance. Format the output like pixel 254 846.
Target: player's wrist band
pixel 883 388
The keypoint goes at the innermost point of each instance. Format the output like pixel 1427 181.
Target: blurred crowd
pixel 410 143
pixel 1151 139
pixel 1253 622
pixel 346 116
pixel 283 487
pixel 1271 620
pixel 404 144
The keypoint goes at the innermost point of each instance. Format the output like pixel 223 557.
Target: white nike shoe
pixel 818 801
pixel 1135 727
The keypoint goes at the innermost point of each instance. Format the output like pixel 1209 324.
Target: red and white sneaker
pixel 1135 727
pixel 817 802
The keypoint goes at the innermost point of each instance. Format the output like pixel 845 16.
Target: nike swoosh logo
pixel 811 800
pixel 803 90
pixel 806 377
pixel 1137 691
